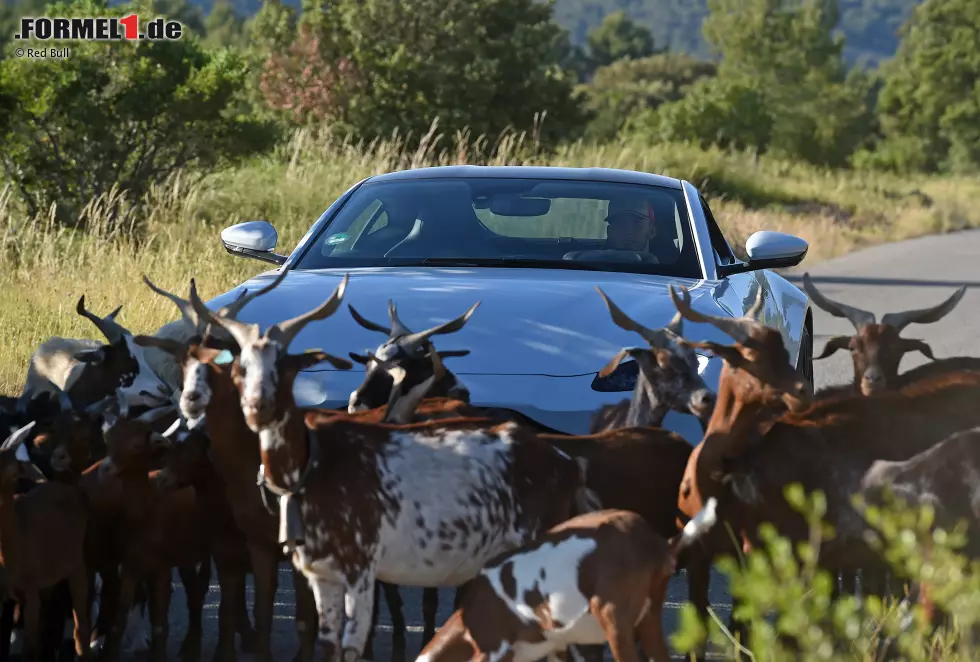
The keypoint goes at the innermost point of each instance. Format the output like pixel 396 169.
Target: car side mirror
pixel 255 239
pixel 769 250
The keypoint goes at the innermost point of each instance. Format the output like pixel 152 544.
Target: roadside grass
pixel 45 269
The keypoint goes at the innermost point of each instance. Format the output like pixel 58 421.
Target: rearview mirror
pixel 504 204
pixel 769 250
pixel 255 239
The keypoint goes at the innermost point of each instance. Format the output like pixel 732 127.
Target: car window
pixel 546 220
pixel 723 253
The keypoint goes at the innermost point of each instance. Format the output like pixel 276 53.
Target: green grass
pixel 46 269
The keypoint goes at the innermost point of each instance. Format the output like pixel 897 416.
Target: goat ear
pixel 311 357
pixel 833 345
pixel 729 353
pixel 916 345
pixel 96 355
pixel 168 345
pixel 633 352
pixel 360 358
pixel 451 353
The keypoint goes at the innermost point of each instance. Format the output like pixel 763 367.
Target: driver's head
pixel 629 224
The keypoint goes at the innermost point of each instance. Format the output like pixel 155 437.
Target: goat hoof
pixel 248 641
pixel 190 651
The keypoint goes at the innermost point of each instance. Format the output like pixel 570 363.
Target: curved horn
pixel 397 327
pixel 287 330
pixel 108 325
pixel 243 334
pixel 17 437
pixel 834 344
pixel 753 312
pixel 183 305
pixel 446 327
pixel 856 316
pixel 737 328
pixel 676 325
pixel 235 307
pixel 656 337
pixel 924 315
pixel 367 324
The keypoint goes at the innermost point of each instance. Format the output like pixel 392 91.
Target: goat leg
pixel 232 585
pixel 159 615
pixel 265 565
pixel 80 606
pixel 698 571
pixel 243 623
pixel 31 609
pixel 121 606
pixel 195 581
pixel 395 609
pixel 6 628
pixel 306 617
pixel 430 608
pixel 650 627
pixel 375 614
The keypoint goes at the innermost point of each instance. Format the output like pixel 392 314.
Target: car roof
pixel 533 172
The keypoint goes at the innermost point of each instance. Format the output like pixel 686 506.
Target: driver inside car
pixel 629 225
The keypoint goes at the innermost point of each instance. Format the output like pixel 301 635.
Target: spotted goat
pixel 395 522
pixel 595 578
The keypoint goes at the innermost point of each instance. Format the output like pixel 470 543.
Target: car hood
pixel 530 321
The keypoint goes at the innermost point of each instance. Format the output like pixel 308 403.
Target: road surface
pixel 911 274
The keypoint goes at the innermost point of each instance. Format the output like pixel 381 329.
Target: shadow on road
pixel 893 282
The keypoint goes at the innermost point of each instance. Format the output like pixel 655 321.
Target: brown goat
pixel 209 396
pixel 595 578
pixel 877 348
pixel 42 534
pixel 827 447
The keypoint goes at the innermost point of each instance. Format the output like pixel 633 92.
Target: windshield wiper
pixel 515 262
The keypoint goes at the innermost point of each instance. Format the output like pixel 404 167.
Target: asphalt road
pixel 912 274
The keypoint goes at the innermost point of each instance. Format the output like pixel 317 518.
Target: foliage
pixel 930 101
pixel 870 27
pixel 619 37
pixel 121 115
pixel 781 86
pixel 481 64
pixel 305 85
pixel 626 88
pixel 223 26
pixel 786 600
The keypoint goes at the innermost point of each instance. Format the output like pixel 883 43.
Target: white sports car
pixel 531 244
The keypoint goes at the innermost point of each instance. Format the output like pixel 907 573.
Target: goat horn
pixel 244 334
pixel 856 316
pixel 676 325
pixel 446 327
pixel 753 312
pixel 109 327
pixel 287 330
pixel 737 328
pixel 367 324
pixel 17 437
pixel 656 337
pixel 183 305
pixel 397 327
pixel 924 315
pixel 235 307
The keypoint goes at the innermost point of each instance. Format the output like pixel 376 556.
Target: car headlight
pixel 623 378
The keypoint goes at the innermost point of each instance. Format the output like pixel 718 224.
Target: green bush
pixel 119 116
pixel 786 600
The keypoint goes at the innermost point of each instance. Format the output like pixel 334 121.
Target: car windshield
pixel 544 223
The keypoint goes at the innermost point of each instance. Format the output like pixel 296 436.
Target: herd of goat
pixel 126 459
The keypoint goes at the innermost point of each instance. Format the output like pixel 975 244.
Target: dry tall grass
pixel 45 268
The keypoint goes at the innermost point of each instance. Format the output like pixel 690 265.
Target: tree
pixel 625 90
pixel 781 59
pixel 930 101
pixel 223 26
pixel 119 114
pixel 482 64
pixel 619 37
